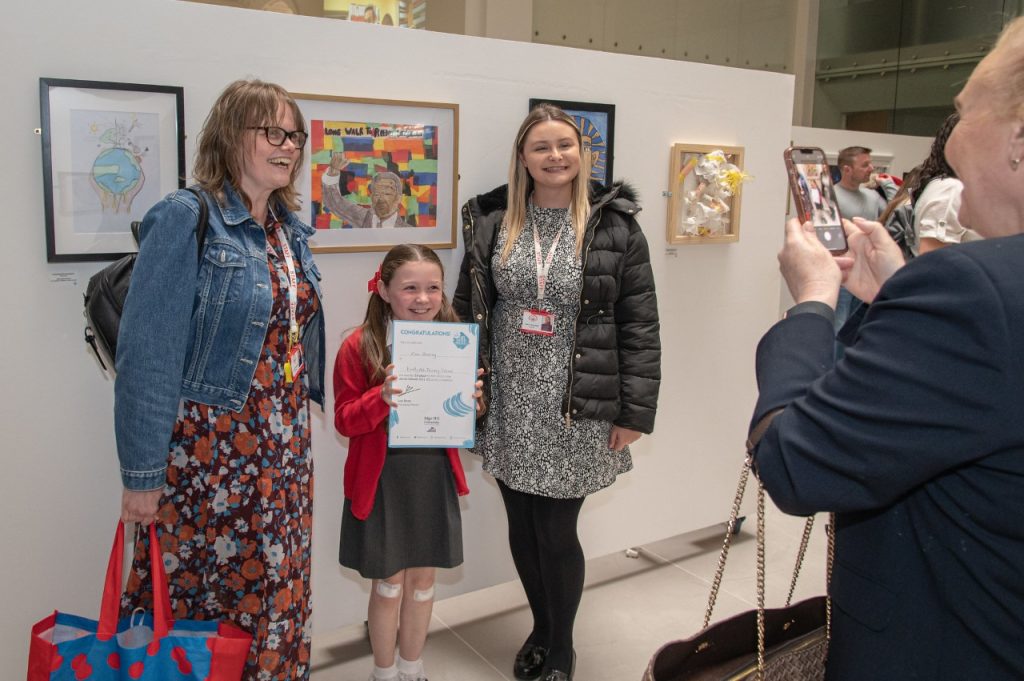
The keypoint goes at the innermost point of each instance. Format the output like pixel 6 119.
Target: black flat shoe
pixel 558 674
pixel 529 662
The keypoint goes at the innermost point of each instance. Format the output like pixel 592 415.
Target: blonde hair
pixel 220 149
pixel 520 184
pixel 373 346
pixel 1007 83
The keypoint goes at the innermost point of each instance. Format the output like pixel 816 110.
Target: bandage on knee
pixel 386 590
pixel 422 596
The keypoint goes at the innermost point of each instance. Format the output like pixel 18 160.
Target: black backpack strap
pixel 204 216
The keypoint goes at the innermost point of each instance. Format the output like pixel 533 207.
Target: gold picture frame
pixel 704 194
pixel 416 143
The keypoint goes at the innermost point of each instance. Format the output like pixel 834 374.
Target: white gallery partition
pixel 60 488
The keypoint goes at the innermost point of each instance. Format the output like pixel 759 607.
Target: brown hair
pixel 373 346
pixel 220 149
pixel 520 184
pixel 847 155
pixel 933 167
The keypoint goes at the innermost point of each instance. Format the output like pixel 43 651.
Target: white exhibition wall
pixel 60 488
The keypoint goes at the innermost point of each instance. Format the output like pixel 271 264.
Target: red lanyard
pixel 542 269
pixel 293 284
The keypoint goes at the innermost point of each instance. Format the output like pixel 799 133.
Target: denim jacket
pixel 194 329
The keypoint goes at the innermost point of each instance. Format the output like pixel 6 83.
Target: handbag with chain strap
pixel 781 644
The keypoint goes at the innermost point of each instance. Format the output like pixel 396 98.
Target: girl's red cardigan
pixel 361 415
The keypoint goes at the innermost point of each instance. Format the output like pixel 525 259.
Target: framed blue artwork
pixel 110 151
pixel 597 127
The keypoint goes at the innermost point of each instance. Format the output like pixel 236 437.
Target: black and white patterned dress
pixel 525 442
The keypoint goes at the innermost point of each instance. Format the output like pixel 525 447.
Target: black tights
pixel 549 560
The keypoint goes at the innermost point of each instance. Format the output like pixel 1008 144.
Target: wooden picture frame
pixel 110 151
pixel 404 147
pixel 597 126
pixel 704 194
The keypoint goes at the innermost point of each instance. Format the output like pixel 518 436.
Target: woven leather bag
pixel 796 645
pixel 107 289
pixel 781 644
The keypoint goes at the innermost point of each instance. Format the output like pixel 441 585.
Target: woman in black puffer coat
pixel 557 273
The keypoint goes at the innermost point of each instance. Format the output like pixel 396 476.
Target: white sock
pixel 413 668
pixel 385 672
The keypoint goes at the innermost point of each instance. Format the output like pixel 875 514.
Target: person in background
pixel 557 273
pixel 937 201
pixel 922 216
pixel 915 438
pixel 855 201
pixel 216 366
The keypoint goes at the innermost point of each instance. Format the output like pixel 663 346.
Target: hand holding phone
pixel 811 184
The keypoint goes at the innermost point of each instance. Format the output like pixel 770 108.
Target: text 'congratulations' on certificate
pixel 435 363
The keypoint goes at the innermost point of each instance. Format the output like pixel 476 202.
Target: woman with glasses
pixel 219 353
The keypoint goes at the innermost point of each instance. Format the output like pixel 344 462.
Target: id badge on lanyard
pixel 294 362
pixel 540 322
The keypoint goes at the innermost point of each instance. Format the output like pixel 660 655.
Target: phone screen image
pixel 815 196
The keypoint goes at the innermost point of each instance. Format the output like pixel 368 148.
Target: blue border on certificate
pixel 454 406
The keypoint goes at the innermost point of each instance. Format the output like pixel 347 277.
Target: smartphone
pixel 814 196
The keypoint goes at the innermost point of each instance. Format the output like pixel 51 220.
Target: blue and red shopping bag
pixel 150 647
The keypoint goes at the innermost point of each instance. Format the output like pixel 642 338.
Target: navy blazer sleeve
pixel 926 386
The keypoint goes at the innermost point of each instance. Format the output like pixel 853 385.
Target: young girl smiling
pixel 401 519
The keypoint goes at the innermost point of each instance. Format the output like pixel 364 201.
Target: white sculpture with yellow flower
pixel 705 189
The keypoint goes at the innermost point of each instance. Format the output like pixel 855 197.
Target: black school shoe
pixel 558 674
pixel 529 662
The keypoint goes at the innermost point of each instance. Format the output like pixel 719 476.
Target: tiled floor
pixel 630 607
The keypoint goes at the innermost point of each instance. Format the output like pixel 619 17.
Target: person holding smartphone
pixel 915 437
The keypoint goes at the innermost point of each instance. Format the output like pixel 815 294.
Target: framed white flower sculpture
pixel 704 185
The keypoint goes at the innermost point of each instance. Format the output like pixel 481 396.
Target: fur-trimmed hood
pixel 624 195
pixel 616 359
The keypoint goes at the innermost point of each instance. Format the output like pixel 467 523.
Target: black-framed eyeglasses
pixel 277 136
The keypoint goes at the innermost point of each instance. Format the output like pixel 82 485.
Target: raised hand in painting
pixel 338 163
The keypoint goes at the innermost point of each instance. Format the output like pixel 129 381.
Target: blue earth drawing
pixel 116 171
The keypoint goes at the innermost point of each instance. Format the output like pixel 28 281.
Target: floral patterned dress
pixel 235 520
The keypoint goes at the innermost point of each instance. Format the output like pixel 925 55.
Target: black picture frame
pixel 110 151
pixel 597 124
